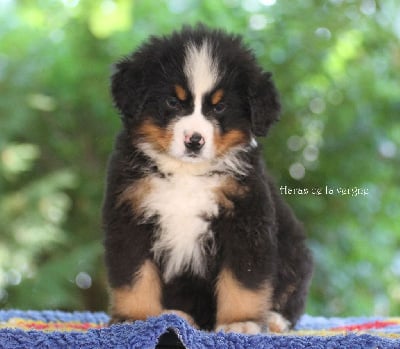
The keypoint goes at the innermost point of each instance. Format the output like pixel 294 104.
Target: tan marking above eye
pixel 216 97
pixel 180 92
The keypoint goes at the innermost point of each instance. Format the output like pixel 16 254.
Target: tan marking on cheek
pixel 229 189
pixel 217 96
pixel 141 299
pixel 180 92
pixel 159 137
pixel 135 194
pixel 229 140
pixel 235 303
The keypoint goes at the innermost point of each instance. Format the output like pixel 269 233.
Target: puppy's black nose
pixel 194 142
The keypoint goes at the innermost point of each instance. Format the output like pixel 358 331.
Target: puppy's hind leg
pixel 292 288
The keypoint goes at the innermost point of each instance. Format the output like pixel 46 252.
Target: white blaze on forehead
pixel 201 69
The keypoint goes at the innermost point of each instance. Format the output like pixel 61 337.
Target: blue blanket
pixel 55 329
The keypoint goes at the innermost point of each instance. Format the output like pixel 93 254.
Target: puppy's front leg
pixel 140 299
pixel 241 309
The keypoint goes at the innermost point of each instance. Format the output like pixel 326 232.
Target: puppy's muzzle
pixel 194 142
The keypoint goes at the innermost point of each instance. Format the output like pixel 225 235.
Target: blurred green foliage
pixel 337 65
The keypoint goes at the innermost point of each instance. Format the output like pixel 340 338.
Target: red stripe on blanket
pixel 50 326
pixel 366 326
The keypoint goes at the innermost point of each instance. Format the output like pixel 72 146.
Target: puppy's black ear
pixel 127 88
pixel 264 104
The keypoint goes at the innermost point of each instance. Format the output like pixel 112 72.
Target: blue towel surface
pixel 145 334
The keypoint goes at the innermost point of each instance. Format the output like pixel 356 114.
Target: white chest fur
pixel 182 203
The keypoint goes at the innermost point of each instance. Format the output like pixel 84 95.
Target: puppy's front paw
pixel 246 327
pixel 183 315
pixel 277 323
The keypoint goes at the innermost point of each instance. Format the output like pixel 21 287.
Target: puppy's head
pixel 195 95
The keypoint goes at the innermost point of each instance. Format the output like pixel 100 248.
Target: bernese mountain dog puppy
pixel 193 223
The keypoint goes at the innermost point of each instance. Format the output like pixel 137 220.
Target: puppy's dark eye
pixel 219 108
pixel 173 102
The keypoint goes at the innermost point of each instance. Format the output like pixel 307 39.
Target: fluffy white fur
pixel 183 230
pixel 201 70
